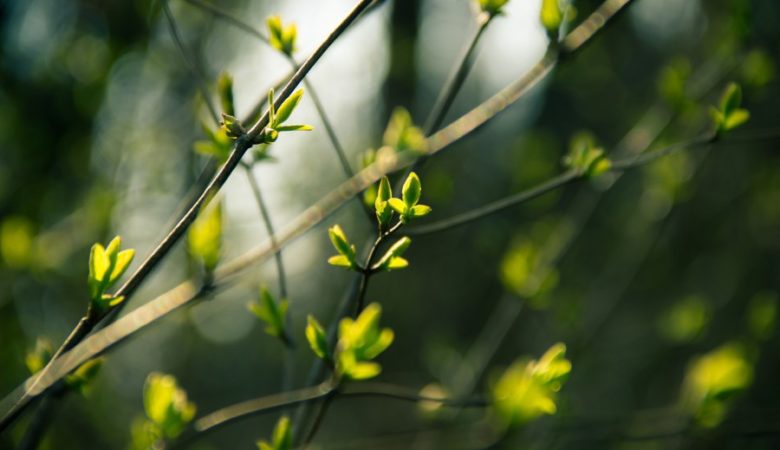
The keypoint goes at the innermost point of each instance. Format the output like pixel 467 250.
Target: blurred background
pixel 638 274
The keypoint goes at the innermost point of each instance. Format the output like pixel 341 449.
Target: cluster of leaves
pixel 273 313
pixel 728 115
pixel 528 390
pixel 401 135
pixel 78 380
pixel 276 120
pixel 359 342
pixel 713 380
pixel 106 265
pixel 167 409
pixel 585 158
pixel 282 37
pixel 204 239
pixel 281 438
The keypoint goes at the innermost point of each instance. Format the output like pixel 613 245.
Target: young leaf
pixel 294 128
pixel 232 126
pixel 384 211
pixel 270 311
pixel 393 254
pixel 225 91
pixel 342 245
pixel 204 238
pixel 411 190
pixel 80 379
pixel 551 17
pixel 315 335
pixel 492 7
pixel 282 436
pixel 360 341
pixel 420 210
pixel 38 357
pixel 166 404
pixel 398 205
pixel 287 108
pixel 729 115
pixel 281 37
pixel 271 107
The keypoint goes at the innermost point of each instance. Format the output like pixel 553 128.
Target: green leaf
pixel 123 260
pixel 282 437
pixel 80 379
pixel 166 404
pixel 225 91
pixel 99 263
pixel 551 16
pixel 420 210
pixel 730 99
pixel 360 341
pixel 38 357
pixel 395 251
pixel 492 7
pixel 384 211
pixel 287 108
pixel 294 128
pixel 271 312
pixel 281 37
pixel 271 107
pixel 398 205
pixel 402 135
pixel 411 190
pixel 736 118
pixel 340 243
pixel 232 126
pixel 396 263
pixel 340 261
pixel 204 239
pixel 315 335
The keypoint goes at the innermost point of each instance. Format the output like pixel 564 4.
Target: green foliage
pixel 585 158
pixel 383 193
pixel 106 265
pixel 276 119
pixel 528 390
pixel 402 135
pixel 685 320
pixel 758 69
pixel 218 144
pixel 167 407
pixel 347 257
pixel 282 437
pixel 492 7
pixel 318 342
pixel 762 315
pixel 233 127
pixel 672 81
pixel 272 312
pixel 728 115
pixel 81 378
pixel 204 238
pixel 551 16
pixel 713 380
pixel 392 259
pixel 360 341
pixel 282 37
pixel 225 93
pixel 16 242
pixel 525 273
pixel 407 207
pixel 36 359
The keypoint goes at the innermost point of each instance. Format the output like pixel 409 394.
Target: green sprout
pixel 407 206
pixel 282 436
pixel 272 312
pixel 713 380
pixel 492 7
pixel 347 256
pixel 106 265
pixel 166 405
pixel 585 158
pixel 528 390
pixel 204 239
pixel 728 115
pixel 282 37
pixel 359 342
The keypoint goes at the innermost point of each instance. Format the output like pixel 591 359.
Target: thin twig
pixel 167 243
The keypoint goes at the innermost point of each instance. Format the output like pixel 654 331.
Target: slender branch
pixel 185 292
pixel 167 243
pixel 267 404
